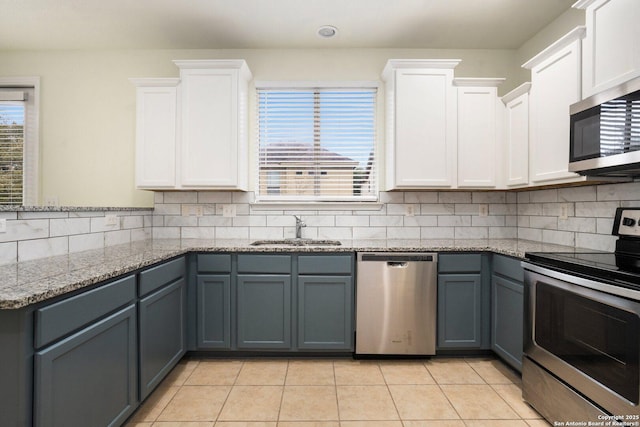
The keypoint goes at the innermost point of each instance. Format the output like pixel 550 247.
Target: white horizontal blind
pixel 619 126
pixel 316 144
pixel 12 138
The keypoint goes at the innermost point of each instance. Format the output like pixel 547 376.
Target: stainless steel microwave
pixel 605 132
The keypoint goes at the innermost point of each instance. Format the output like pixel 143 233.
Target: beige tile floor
pixel 439 392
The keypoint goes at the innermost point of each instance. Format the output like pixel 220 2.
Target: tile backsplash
pixel 42 233
pixel 399 216
pixel 572 216
pixel 589 214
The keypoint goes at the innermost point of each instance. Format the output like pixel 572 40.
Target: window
pixel 18 142
pixel 319 143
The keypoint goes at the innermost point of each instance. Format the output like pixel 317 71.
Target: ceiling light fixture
pixel 327 31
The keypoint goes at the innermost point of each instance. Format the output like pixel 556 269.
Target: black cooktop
pixel 615 268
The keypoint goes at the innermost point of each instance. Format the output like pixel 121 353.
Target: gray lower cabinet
pixel 162 321
pixel 507 301
pixel 264 311
pixel 162 326
pixel 274 301
pixel 101 352
pixel 325 311
pixel 464 301
pixel 213 302
pixel 459 310
pixel 89 378
pixel 213 312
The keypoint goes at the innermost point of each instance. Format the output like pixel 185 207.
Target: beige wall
pixel 88 104
pixel 545 37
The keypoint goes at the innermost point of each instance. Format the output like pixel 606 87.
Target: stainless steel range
pixel 582 331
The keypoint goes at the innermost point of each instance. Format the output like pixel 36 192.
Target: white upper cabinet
pixel 213 120
pixel 555 85
pixel 479 148
pixel 516 136
pixel 611 46
pixel 156 101
pixel 420 124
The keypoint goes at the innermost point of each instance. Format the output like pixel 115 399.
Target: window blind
pixel 619 126
pixel 12 137
pixel 316 144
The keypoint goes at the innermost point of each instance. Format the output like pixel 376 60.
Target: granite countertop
pixel 27 283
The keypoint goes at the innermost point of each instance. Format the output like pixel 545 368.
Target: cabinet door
pixel 156 109
pixel 507 319
pixel 214 311
pixel 611 54
pixel 264 311
pixel 325 312
pixel 214 125
pixel 555 85
pixel 421 126
pixel 459 310
pixel 517 136
pixel 162 334
pixel 477 135
pixel 91 377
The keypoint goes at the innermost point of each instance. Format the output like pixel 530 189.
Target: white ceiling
pixel 216 24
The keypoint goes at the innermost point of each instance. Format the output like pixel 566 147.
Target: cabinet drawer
pixel 214 263
pixel 161 275
pixel 508 267
pixel 459 263
pixel 264 264
pixel 59 319
pixel 324 264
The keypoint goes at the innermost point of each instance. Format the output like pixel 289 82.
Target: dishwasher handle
pixel 397 264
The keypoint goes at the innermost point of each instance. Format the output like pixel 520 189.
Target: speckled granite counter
pixel 27 283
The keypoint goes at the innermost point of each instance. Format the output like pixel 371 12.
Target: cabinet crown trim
pixel 155 82
pixel 520 90
pixel 393 64
pixel 576 34
pixel 210 63
pixel 479 81
pixel 215 64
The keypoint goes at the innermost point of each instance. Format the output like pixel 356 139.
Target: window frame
pixel 303 202
pixel 31 170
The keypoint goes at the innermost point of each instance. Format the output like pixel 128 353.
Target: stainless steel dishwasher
pixel 396 298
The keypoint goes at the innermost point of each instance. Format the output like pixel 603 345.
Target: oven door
pixel 585 337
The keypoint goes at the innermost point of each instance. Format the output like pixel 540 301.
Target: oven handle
pixel 581 281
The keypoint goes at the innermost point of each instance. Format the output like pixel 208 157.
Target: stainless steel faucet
pixel 299 225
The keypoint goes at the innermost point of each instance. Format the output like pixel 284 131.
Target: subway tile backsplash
pixel 41 233
pixel 536 215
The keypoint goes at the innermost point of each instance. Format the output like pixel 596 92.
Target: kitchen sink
pixel 296 242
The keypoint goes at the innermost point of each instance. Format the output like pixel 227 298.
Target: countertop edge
pixel 112 262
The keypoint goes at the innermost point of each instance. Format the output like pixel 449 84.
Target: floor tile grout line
pixel 447 397
pixel 175 394
pixel 230 391
pixel 495 391
pixel 395 405
pixel 284 382
pixel 335 385
pixel 510 406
